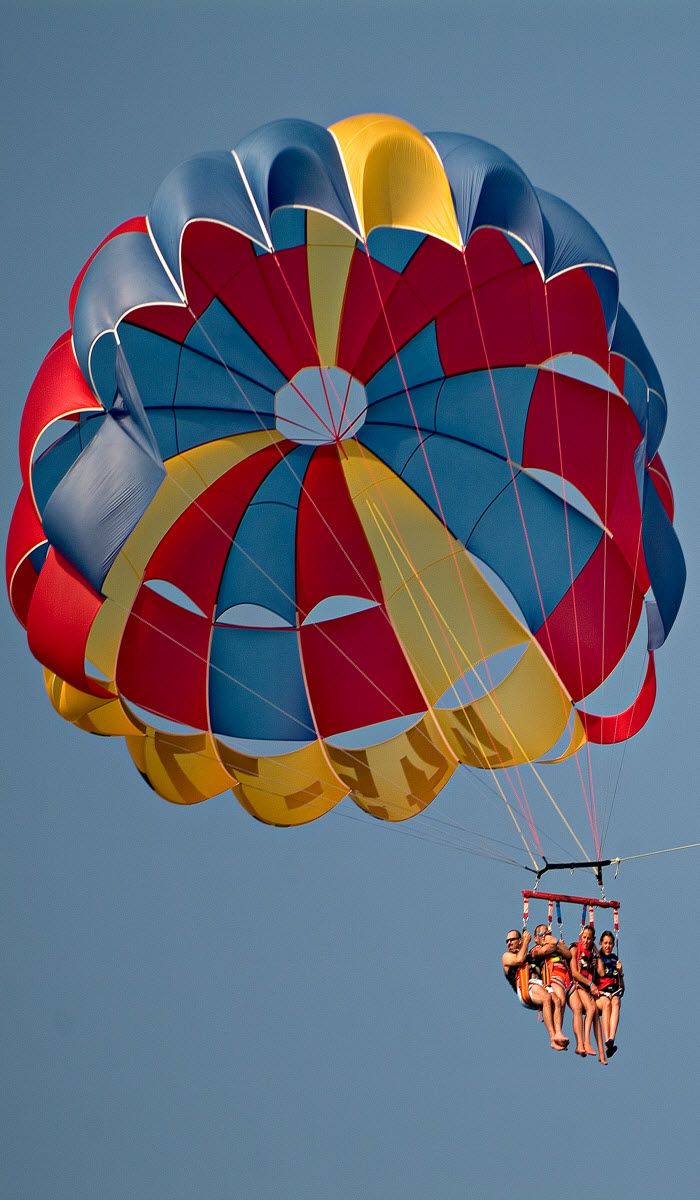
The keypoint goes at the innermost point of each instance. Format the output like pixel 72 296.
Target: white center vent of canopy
pixel 320 406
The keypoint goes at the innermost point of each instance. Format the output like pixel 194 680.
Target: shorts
pixel 537 985
pixel 561 977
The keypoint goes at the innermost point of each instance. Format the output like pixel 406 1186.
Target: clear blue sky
pixel 194 1004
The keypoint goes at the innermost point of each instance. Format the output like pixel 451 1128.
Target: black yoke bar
pixel 596 867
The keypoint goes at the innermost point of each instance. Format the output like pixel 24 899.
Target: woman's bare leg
pixel 598 1029
pixel 543 999
pixel 603 1006
pixel 577 1020
pixel 614 1016
pixel 590 1011
pixel 559 1004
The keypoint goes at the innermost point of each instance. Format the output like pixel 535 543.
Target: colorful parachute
pixel 360 482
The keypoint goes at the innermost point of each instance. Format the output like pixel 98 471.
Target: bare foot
pixel 590 1050
pixel 603 1061
pixel 580 1051
pixel 557 1045
pixel 562 1039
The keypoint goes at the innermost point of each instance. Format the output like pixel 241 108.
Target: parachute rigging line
pixel 217 351
pixel 590 803
pixel 439 503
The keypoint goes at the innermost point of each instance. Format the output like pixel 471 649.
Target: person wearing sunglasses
pixel 523 971
pixel 553 957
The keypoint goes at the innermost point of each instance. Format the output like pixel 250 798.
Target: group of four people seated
pixel 552 974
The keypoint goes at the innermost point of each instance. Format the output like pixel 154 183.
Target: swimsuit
pixel 610 983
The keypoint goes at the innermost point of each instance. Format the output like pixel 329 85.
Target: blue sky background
pixel 194 1004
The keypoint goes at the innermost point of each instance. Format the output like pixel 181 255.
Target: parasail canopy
pixel 358 477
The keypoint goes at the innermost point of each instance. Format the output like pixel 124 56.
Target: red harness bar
pixel 590 901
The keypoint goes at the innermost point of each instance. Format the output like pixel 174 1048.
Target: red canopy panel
pixel 576 318
pixel 435 284
pixel 59 390
pixel 162 661
pixel 364 343
pixel 272 301
pixel 62 610
pixel 594 622
pixel 211 256
pixel 356 673
pixel 332 554
pixel 620 726
pixel 589 437
pixel 24 534
pixel 193 552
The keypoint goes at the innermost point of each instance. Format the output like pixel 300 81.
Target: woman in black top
pixel 611 985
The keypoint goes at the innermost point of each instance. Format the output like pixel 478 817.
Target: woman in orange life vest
pixel 611 985
pixel 554 956
pixel 584 993
pixel 524 974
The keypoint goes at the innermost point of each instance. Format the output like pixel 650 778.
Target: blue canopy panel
pixel 154 361
pixel 396 410
pixel 50 466
pixel 489 189
pixel 103 496
pixel 88 425
pixel 656 426
pixel 463 407
pixel 219 337
pixel 393 248
pixel 125 274
pixel 419 362
pixel 499 539
pixel 207 187
pixel 181 429
pixel 465 478
pixel 665 565
pixel 629 342
pixel 261 565
pixel 256 685
pixel 195 426
pixel 162 422
pixel 636 393
pixel 473 489
pixel 288 228
pixel 569 241
pixel 294 162
pixel 37 556
pixel 467 408
pixel 208 383
pixel 607 285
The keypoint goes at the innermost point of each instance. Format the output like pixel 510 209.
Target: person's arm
pixel 546 950
pixel 576 974
pixel 597 974
pixel 516 960
pixel 563 949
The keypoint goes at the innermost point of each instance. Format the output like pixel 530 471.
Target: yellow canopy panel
pixel 396 177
